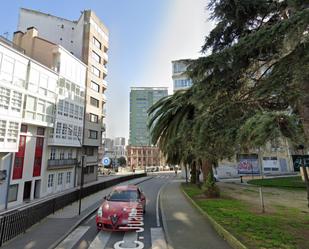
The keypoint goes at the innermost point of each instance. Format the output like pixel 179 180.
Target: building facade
pixel 64 139
pixel 29 94
pixel 87 39
pixel 140 157
pixel 180 78
pixel 141 99
pixel 114 149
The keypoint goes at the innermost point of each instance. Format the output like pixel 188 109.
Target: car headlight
pixel 100 212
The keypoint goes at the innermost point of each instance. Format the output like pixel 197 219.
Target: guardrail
pixel 18 221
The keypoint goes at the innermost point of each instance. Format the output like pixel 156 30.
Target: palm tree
pixel 170 123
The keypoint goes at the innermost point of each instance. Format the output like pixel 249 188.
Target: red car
pixel 122 209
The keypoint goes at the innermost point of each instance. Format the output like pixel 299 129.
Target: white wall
pixel 54 29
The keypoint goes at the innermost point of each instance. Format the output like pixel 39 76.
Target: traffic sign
pixel 106 161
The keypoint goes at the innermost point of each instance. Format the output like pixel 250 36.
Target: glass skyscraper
pixel 141 98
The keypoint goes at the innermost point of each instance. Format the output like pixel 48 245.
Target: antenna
pixel 6 35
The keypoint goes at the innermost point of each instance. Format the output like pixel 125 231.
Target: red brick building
pixel 140 157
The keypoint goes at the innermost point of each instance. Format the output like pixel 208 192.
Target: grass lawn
pixel 286 228
pixel 294 182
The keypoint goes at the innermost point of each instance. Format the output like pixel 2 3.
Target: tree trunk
pixel 193 172
pixel 186 172
pixel 209 186
pixel 206 169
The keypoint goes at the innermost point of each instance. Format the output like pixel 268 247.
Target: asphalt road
pixel 87 236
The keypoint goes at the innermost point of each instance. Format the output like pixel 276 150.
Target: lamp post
pixel 81 173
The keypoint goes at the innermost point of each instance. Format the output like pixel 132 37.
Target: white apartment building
pixel 180 78
pixel 87 39
pixel 41 117
pixel 28 97
pixel 64 138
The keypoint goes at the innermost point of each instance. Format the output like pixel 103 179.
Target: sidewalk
pixel 45 233
pixel 47 197
pixel 184 226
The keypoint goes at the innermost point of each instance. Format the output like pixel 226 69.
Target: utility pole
pixel 81 184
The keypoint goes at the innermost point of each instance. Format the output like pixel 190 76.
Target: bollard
pixel 241 179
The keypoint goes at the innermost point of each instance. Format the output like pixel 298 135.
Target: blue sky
pixel 145 36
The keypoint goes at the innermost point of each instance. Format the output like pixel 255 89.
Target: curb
pixel 57 242
pixel 164 223
pixel 81 220
pixel 233 242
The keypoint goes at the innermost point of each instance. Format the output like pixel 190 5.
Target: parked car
pixel 113 214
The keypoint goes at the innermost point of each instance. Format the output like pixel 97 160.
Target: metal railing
pixel 18 221
pixel 57 163
pixel 11 44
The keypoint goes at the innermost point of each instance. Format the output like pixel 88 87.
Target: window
pixel 96 42
pixel 58 129
pixel 7 68
pixel 96 57
pixel 41 106
pixel 66 108
pixel 50 182
pixel 23 128
pixel 93 134
pixel 69 177
pixel 71 110
pixel 94 102
pixel 60 176
pixel 91 170
pixel 95 71
pixel 60 107
pixel 30 105
pixel 62 154
pixel 70 153
pixel 95 86
pixel 13 191
pixel 40 131
pixel 81 113
pixel 64 129
pixel 89 151
pixel 52 153
pixel 93 118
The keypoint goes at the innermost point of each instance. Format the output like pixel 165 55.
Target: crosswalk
pixel 103 240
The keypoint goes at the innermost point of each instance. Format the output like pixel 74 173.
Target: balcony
pixel 61 163
pixel 104 83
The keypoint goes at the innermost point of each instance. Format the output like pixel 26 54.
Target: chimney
pixel 17 37
pixel 32 32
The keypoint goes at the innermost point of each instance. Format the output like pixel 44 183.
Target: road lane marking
pixel 73 238
pixel 129 242
pixel 157 205
pixel 100 240
pixel 157 238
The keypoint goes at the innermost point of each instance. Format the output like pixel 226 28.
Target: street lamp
pixel 81 173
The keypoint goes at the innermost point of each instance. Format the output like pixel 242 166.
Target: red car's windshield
pixel 123 195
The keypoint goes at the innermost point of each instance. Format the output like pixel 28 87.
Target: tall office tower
pixel 141 98
pixel 180 78
pixel 87 39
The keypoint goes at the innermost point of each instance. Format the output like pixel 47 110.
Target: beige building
pixel 87 39
pixel 140 157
